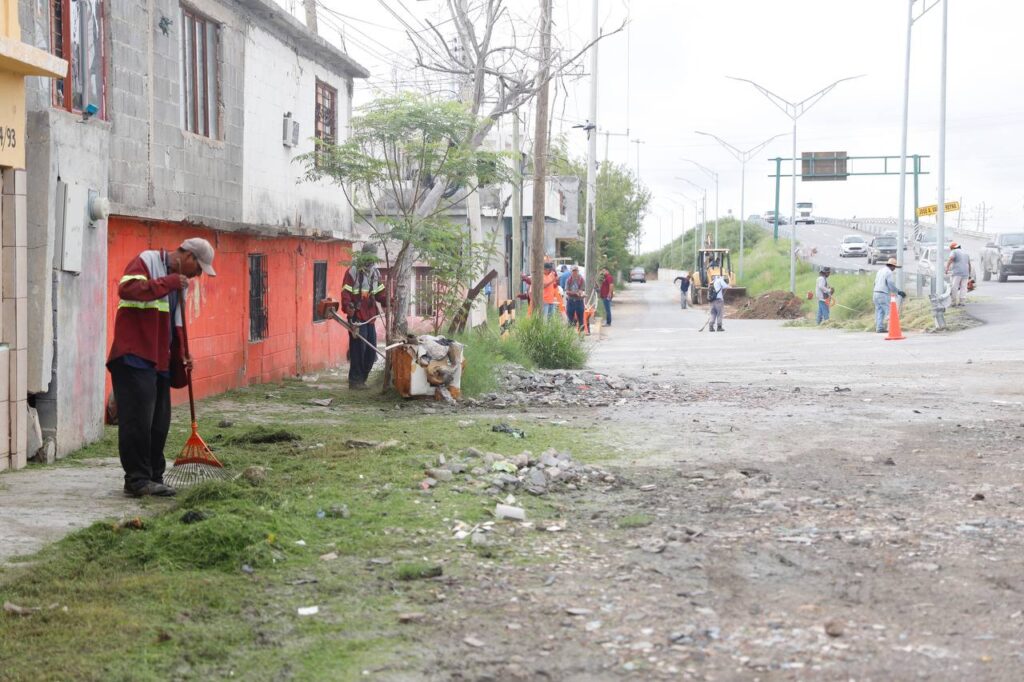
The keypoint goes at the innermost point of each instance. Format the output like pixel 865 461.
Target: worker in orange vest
pixel 550 289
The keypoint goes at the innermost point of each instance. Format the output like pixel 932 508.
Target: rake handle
pixel 188 356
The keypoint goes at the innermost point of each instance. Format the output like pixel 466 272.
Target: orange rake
pixel 196 462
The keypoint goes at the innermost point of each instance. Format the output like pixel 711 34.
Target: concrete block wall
pixel 13 330
pixel 277 80
pixel 157 168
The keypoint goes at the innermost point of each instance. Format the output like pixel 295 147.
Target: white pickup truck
pixel 1003 257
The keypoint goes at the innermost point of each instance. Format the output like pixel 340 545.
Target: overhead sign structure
pixel 823 166
pixel 951 206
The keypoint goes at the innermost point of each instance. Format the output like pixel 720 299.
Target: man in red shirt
pixel 606 293
pixel 145 337
pixel 361 292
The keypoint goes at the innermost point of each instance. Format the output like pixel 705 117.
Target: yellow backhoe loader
pixel 712 262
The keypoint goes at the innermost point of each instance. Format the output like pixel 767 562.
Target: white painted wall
pixel 277 81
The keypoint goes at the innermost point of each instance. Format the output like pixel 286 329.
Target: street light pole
pixel 714 175
pixel 940 237
pixel 742 156
pixel 704 212
pixel 590 229
pixel 901 223
pixel 794 110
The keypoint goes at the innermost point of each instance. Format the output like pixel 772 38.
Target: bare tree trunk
pixel 458 323
pixel 397 326
pixel 540 162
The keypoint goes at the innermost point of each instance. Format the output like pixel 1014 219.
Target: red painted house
pixel 185 127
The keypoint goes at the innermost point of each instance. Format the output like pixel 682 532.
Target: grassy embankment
pixel 766 268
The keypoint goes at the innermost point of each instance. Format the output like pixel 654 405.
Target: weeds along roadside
pixel 219 595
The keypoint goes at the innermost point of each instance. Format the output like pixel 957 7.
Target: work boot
pixel 720 328
pixel 149 488
pixel 357 385
pixel 711 329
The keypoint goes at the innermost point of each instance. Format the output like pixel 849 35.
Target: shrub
pixel 550 343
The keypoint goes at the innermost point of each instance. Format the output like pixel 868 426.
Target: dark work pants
pixel 143 400
pixel 360 355
pixel 574 310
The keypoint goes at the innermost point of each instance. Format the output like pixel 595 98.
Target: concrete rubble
pixel 493 474
pixel 572 388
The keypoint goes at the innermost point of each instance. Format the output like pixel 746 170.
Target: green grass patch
pixel 635 521
pixel 418 570
pixel 172 601
pixel 550 343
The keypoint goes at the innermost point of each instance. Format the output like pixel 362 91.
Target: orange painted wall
pixel 218 312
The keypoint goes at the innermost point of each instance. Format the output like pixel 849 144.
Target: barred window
pixel 76 34
pixel 200 87
pixel 425 294
pixel 326 125
pixel 257 297
pixel 319 287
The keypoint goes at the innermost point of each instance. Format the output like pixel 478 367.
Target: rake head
pixel 196 464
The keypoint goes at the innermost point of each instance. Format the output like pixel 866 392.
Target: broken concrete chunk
pixel 505 511
pixel 440 474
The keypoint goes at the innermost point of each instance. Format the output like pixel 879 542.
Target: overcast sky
pixel 665 77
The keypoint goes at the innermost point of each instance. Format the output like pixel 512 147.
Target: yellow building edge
pixel 24 60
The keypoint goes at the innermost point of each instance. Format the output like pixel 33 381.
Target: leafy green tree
pixel 407 161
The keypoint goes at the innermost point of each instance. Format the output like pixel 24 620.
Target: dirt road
pixel 842 508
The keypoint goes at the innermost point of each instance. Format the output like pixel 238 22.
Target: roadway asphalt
pixel 826 237
pixel 651 334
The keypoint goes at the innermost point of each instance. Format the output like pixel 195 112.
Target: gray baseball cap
pixel 203 251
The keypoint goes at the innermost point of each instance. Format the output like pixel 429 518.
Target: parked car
pixel 924 238
pixel 853 245
pixel 1003 257
pixel 638 274
pixel 926 263
pixel 893 234
pixel 881 249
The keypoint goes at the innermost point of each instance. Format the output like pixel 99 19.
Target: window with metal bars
pixel 425 294
pixel 326 112
pixel 319 287
pixel 198 72
pixel 257 297
pixel 76 35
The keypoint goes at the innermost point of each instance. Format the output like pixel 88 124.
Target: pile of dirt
pixel 773 305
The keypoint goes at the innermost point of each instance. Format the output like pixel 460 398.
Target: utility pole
pixel 311 23
pixel 607 136
pixel 901 222
pixel 741 156
pixel 794 110
pixel 714 175
pixel 590 229
pixel 639 229
pixel 516 270
pixel 940 229
pixel 540 161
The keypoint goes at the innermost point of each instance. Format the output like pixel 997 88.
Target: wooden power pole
pixel 540 162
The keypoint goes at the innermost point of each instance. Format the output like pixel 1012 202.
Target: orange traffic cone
pixel 895 333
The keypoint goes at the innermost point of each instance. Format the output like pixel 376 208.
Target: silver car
pixel 853 245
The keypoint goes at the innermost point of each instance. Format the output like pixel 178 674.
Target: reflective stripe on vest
pixel 129 278
pixel 162 306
